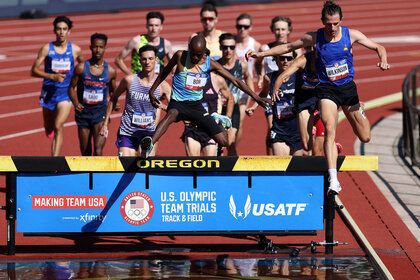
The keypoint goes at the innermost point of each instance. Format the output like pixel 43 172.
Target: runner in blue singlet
pixel 94 78
pixel 58 57
pixel 336 88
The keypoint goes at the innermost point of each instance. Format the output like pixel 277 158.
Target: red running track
pixel 394 24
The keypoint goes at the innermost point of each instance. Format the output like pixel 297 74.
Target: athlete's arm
pixel 264 93
pixel 226 93
pixel 78 71
pixel 112 77
pixel 215 66
pixel 308 39
pixel 126 51
pixel 168 49
pixel 123 86
pixel 298 64
pixel 358 37
pixel 36 72
pixel 165 90
pixel 162 76
pixel 247 76
pixel 77 53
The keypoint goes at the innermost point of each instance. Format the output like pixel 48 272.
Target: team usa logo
pixel 240 214
pixel 137 208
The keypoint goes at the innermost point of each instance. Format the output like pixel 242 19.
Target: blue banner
pixel 170 202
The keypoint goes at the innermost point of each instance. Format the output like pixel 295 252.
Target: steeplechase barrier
pixel 256 195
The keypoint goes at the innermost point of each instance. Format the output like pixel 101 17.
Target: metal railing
pixel 411 116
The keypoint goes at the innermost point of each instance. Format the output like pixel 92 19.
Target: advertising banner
pixel 169 202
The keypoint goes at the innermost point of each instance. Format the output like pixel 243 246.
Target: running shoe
pixel 334 188
pixel 223 120
pixel 51 135
pixel 146 146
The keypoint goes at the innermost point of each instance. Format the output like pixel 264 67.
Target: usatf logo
pixel 137 208
pixel 247 208
pixel 266 209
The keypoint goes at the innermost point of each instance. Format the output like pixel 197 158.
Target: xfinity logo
pixel 88 217
pixel 265 209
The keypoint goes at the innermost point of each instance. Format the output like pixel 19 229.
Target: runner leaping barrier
pixel 173 196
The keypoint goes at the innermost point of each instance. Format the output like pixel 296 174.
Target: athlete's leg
pixel 243 104
pixel 232 135
pixel 317 148
pixel 48 116
pixel 163 125
pixel 269 119
pixel 63 111
pixel 210 150
pixel 126 152
pixel 221 137
pixel 359 122
pixel 98 140
pixel 305 124
pixel 192 147
pixel 281 149
pixel 84 141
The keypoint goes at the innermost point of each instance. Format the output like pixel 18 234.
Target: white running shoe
pixel 146 146
pixel 223 120
pixel 334 188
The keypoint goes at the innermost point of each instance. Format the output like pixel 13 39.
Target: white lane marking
pixel 397 39
pixel 19 113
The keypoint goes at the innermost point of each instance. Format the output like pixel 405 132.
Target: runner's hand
pixel 275 96
pixel 59 77
pixel 104 131
pixel 79 108
pixel 251 53
pixel 264 102
pixel 383 65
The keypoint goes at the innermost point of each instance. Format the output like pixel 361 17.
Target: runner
pixel 195 138
pixel 245 42
pixel 239 70
pixel 284 134
pixel 58 58
pixel 154 26
pixel 93 78
pixel 139 117
pixel 334 65
pixel 208 16
pixel 192 70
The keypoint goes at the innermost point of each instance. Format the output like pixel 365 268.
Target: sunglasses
pixel 228 47
pixel 204 19
pixel 283 58
pixel 240 26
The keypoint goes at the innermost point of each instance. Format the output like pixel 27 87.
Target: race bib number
pixel 60 66
pixel 142 119
pixel 285 108
pixel 196 81
pixel 337 71
pixel 93 96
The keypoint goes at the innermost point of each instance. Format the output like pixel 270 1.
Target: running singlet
pixel 214 46
pixel 309 77
pixel 283 109
pixel 92 90
pixel 188 84
pixel 334 63
pixel 139 114
pixel 236 71
pixel 240 53
pixel 59 63
pixel 210 97
pixel 270 64
pixel 135 57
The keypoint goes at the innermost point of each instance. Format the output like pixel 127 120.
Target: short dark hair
pixel 146 48
pixel 158 15
pixel 330 8
pixel 64 19
pixel 244 16
pixel 226 36
pixel 99 36
pixel 208 7
pixel 281 18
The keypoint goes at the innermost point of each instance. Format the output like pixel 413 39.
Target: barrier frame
pixel 11 166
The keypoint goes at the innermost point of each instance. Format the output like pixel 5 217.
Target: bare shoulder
pixel 112 71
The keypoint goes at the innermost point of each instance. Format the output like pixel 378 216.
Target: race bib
pixel 142 119
pixel 196 81
pixel 285 108
pixel 337 71
pixel 60 66
pixel 93 96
